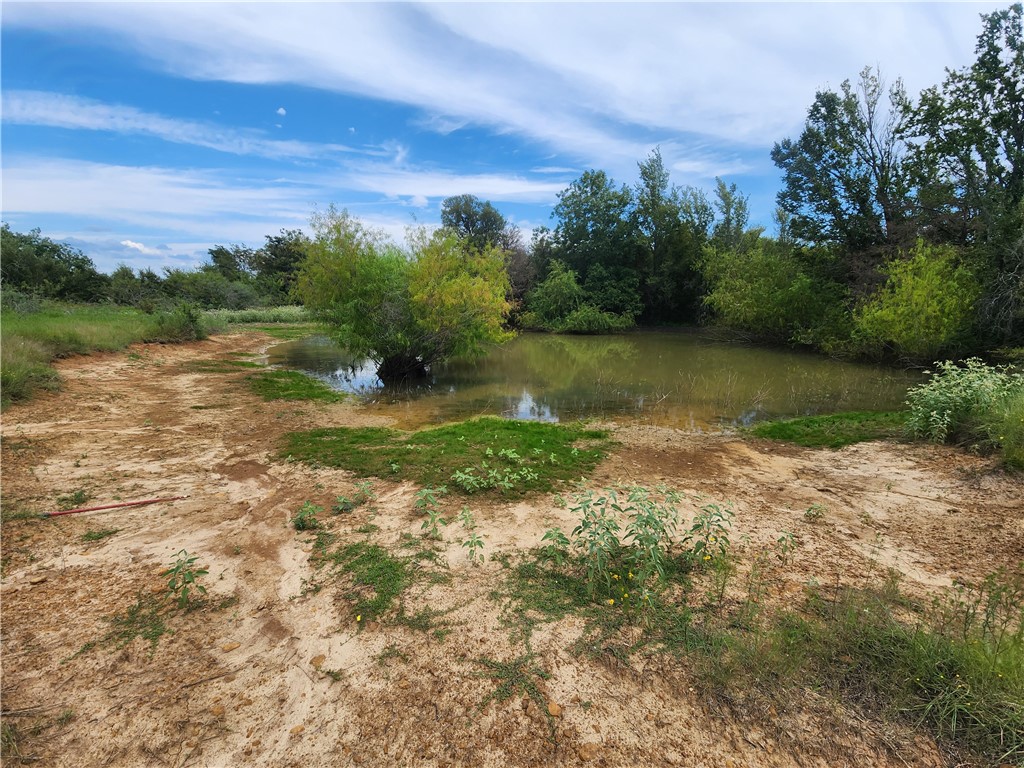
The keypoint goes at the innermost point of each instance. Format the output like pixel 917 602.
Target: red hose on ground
pixel 110 506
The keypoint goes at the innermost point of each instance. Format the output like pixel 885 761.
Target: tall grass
pixel 31 341
pixel 283 314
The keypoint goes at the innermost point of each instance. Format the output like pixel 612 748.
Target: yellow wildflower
pixel 611 601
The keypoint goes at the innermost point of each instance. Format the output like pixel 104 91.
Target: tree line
pixel 898 233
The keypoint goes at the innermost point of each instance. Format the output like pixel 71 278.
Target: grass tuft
pixel 836 430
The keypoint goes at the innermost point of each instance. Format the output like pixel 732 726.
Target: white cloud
pixel 282 111
pixel 76 113
pixel 586 80
pixel 141 248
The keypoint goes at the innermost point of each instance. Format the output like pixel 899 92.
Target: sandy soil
pixel 271 673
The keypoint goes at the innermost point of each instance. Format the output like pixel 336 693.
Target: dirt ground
pixel 271 673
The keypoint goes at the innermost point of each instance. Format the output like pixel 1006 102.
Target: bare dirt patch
pixel 274 669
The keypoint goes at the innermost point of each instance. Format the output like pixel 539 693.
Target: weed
pixel 556 551
pixel 710 530
pixel 305 519
pixel 815 512
pixel 514 677
pixel 390 653
pixel 184 576
pixel 785 545
pixel 99 534
pixel 378 578
pixel 72 500
pixel 426 499
pixel 431 527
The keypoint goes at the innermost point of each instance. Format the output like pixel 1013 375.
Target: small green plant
pixel 710 531
pixel 785 545
pixel 183 577
pixel 72 500
pixel 556 551
pixel 431 527
pixel 473 542
pixel 597 538
pixel 426 499
pixel 305 519
pixel 98 535
pixel 815 512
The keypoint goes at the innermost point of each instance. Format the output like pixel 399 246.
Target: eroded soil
pixel 271 672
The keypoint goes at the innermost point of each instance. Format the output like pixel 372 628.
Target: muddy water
pixel 682 379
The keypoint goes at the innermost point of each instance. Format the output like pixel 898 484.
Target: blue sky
pixel 145 133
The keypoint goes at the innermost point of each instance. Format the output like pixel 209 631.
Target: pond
pixel 685 379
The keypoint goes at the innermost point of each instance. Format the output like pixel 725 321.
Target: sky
pixel 145 133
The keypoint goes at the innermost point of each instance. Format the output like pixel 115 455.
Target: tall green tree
pixel 404 310
pixel 45 267
pixel 969 160
pixel 844 179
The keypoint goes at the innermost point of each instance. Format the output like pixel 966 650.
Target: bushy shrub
pixel 589 319
pixel 924 309
pixel 184 323
pixel 765 291
pixel 971 402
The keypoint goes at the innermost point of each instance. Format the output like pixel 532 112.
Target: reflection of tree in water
pixel 681 379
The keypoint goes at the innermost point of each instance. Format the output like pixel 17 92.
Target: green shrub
pixel 924 309
pixel 964 402
pixel 1004 424
pixel 767 292
pixel 589 319
pixel 184 323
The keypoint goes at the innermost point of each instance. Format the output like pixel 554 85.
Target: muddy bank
pixel 273 672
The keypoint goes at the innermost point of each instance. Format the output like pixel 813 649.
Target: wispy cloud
pixel 58 110
pixel 602 84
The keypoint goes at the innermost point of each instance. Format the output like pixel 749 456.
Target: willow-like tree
pixel 404 309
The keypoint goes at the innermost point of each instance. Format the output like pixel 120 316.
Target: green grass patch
pixel 284 331
pixel 292 385
pixel 31 341
pixel 836 430
pixel 99 535
pixel 378 578
pixel 518 456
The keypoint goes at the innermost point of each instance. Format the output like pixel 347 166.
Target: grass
pixel 284 331
pixel 954 667
pixel 292 385
pixel 377 577
pixel 288 314
pixel 30 342
pixel 836 430
pixel 431 457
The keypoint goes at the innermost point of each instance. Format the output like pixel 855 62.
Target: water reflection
pixel 684 379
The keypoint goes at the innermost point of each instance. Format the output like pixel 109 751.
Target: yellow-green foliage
pixel 405 310
pixel 763 290
pixel 924 309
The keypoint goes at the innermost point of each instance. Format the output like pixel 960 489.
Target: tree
pixel 969 163
pixel 234 262
pixel 844 180
pixel 594 224
pixel 924 309
pixel 277 263
pixel 477 221
pixel 668 243
pixel 41 266
pixel 403 310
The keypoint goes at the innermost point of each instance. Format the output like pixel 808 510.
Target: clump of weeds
pixel 305 519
